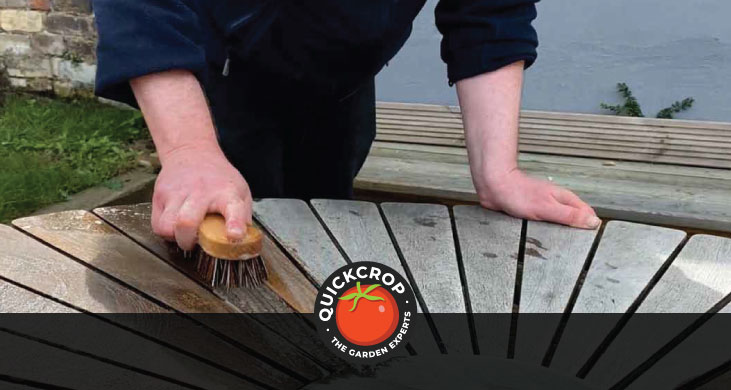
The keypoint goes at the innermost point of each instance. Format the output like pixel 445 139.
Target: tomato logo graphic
pixel 364 310
pixel 366 317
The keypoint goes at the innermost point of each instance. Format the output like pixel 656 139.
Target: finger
pixel 572 216
pixel 569 198
pixel 165 226
pixel 237 213
pixel 190 216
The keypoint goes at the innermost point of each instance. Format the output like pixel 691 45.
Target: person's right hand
pixel 193 183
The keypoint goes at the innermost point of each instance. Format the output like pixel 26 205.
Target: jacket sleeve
pixel 484 35
pixel 141 37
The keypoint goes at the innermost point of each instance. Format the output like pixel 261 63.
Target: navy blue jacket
pixel 332 45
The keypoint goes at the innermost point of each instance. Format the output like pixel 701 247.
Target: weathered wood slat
pixel 489 243
pixel 661 145
pixel 432 109
pixel 454 125
pixel 360 231
pixel 696 280
pixel 101 247
pixel 682 196
pixel 284 278
pixel 292 224
pixel 42 363
pixel 14 299
pixel 32 264
pixel 628 256
pixel 554 257
pixel 714 160
pixel 599 136
pixel 285 281
pixel 424 236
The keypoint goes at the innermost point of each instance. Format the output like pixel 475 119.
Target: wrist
pixel 191 152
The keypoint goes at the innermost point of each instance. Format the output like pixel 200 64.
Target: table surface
pixel 462 259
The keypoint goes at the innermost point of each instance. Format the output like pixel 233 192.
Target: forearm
pixel 176 113
pixel 490 109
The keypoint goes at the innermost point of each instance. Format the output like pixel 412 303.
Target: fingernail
pixel 235 231
pixel 594 222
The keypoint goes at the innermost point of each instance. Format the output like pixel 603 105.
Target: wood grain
pixel 359 230
pixel 17 300
pixel 488 242
pixel 554 258
pixel 669 195
pixel 696 280
pixel 292 224
pixel 32 264
pixel 597 136
pixel 284 281
pixel 424 236
pixel 103 249
pixel 628 256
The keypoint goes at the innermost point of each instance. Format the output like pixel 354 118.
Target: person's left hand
pixel 522 196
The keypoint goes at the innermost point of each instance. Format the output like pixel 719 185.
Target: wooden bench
pixel 459 260
pixel 667 172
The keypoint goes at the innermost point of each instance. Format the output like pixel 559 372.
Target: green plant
pixel 667 113
pixel 631 107
pixel 52 149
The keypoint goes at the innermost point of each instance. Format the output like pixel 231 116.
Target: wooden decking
pixel 648 170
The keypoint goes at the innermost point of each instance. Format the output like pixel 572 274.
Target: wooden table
pixel 463 259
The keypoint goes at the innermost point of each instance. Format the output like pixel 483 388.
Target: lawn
pixel 51 149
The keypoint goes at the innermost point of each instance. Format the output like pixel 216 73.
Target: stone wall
pixel 48 45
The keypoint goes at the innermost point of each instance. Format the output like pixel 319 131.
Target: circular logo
pixel 364 310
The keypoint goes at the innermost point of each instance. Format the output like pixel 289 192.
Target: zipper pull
pixel 226 67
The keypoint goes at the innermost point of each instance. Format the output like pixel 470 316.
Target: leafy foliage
pixel 667 113
pixel 631 107
pixel 51 149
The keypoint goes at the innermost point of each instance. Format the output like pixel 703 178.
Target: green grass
pixel 51 149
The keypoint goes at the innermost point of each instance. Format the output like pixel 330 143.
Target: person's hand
pixel 193 183
pixel 522 196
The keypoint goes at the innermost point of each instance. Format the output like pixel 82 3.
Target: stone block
pixel 29 66
pixel 80 74
pixel 48 44
pixel 13 3
pixel 14 44
pixel 39 85
pixel 81 48
pixel 21 20
pixel 70 25
pixel 77 6
pixel 16 82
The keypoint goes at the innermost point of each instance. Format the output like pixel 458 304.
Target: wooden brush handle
pixel 213 239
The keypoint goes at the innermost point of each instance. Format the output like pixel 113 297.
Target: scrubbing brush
pixel 223 262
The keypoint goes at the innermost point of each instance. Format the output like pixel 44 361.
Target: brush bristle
pixel 227 273
pixel 231 273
